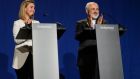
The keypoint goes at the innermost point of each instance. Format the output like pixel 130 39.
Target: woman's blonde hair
pixel 23 5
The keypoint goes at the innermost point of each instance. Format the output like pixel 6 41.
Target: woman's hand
pixel 29 21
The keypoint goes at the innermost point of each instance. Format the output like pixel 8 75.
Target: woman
pixel 22 62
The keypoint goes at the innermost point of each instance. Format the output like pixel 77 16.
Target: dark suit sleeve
pixel 79 30
pixel 83 32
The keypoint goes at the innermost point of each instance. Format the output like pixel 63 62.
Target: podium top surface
pixel 121 29
pixel 26 33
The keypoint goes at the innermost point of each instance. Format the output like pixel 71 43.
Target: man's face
pixel 93 11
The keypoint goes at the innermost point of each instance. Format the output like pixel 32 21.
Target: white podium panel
pixel 109 52
pixel 45 51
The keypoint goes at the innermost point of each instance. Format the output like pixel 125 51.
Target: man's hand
pixel 100 20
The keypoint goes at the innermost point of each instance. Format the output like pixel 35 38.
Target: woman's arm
pixel 16 28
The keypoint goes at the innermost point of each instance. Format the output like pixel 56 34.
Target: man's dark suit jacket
pixel 87 38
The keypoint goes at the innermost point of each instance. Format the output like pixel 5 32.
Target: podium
pixel 45 48
pixel 109 51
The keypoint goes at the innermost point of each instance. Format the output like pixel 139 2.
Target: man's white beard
pixel 95 16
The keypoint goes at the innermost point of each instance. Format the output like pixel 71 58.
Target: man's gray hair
pixel 88 4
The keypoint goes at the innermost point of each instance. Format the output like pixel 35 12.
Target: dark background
pixel 67 12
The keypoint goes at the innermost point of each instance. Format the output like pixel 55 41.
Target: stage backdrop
pixel 67 12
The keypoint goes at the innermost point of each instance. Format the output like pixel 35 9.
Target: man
pixel 87 52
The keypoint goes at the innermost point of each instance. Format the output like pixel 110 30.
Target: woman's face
pixel 30 9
